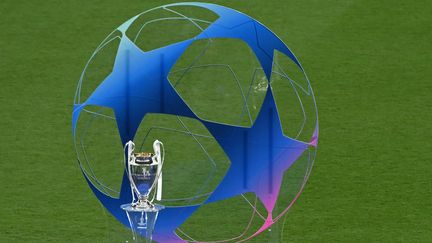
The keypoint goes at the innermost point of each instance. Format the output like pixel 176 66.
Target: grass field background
pixel 370 66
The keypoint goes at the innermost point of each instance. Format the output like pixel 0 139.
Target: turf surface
pixel 369 63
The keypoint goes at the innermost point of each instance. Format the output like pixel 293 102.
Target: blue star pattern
pixel 139 85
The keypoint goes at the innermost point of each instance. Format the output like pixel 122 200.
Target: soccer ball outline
pixel 115 94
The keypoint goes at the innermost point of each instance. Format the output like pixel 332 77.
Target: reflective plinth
pixel 142 220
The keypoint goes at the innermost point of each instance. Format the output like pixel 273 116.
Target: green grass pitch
pixel 370 66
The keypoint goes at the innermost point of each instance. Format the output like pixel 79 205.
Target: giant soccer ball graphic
pixel 231 103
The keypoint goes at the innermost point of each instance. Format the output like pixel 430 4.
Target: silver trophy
pixel 144 171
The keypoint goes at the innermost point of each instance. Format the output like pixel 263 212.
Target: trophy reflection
pixel 144 171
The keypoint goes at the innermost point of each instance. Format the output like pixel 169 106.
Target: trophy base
pixel 142 207
pixel 142 219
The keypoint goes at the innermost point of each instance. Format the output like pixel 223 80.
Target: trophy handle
pixel 157 147
pixel 130 149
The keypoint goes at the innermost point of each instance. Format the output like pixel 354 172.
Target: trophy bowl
pixel 143 174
